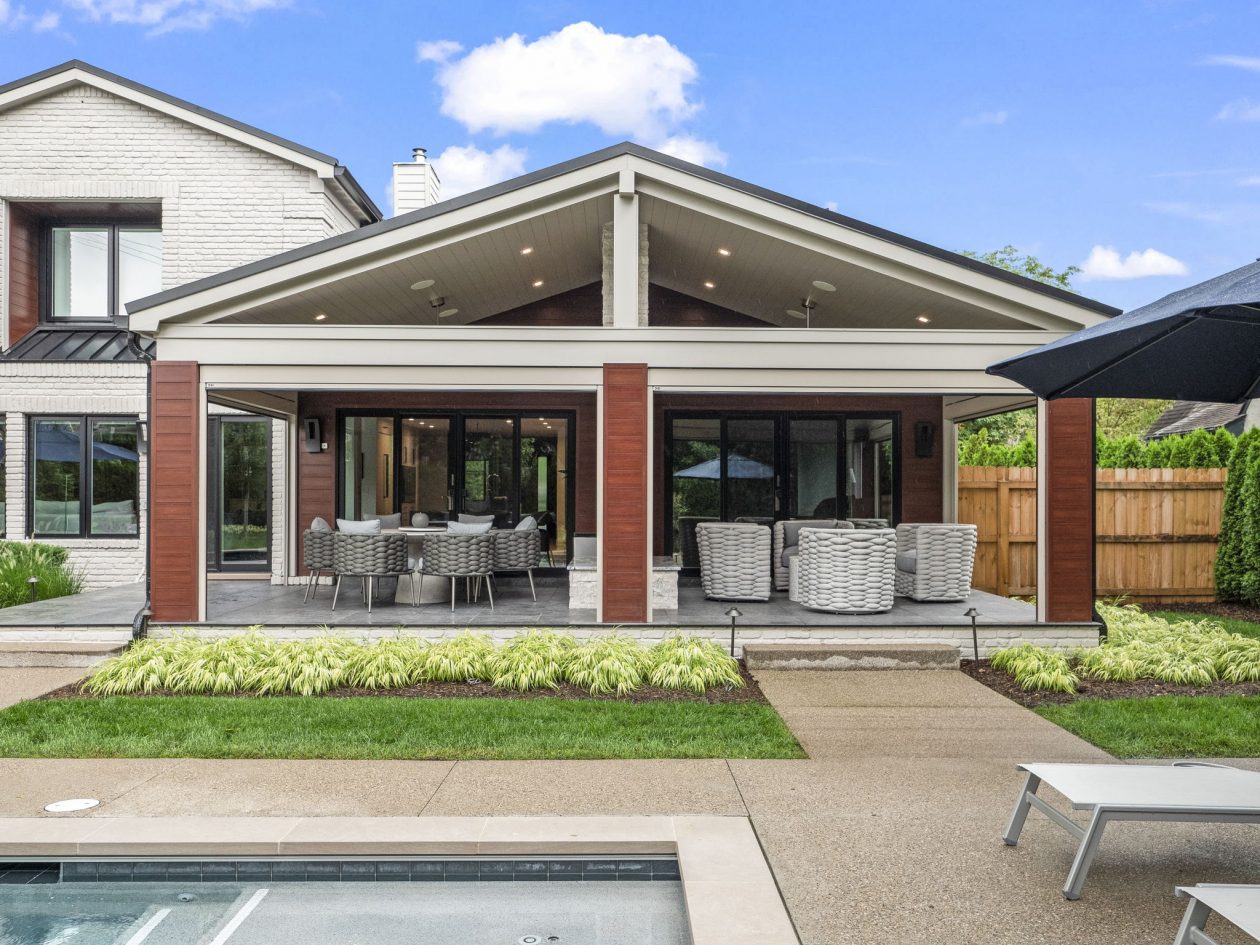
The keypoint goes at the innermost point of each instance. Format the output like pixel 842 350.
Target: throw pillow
pixel 468 528
pixel 349 527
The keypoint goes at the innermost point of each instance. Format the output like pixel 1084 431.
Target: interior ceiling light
pixel 448 312
pixel 795 314
pixel 923 319
pixel 723 251
pixel 526 250
pixel 422 284
pixel 710 285
pixel 320 316
pixel 824 286
pixel 538 283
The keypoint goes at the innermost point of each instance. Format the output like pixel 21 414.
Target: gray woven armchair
pixel 934 562
pixel 368 557
pixel 847 571
pixel 518 550
pixel 317 557
pixel 787 537
pixel 734 560
pixel 456 556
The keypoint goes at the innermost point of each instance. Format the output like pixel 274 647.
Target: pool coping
pixel 730 894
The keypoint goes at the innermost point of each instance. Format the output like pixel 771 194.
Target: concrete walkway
pixel 889 832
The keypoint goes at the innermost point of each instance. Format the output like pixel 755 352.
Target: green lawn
pixel 1165 726
pixel 1244 627
pixel 386 728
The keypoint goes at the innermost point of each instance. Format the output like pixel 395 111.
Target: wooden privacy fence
pixel 1156 530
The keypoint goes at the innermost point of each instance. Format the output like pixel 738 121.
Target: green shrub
pixel 1232 553
pixel 608 664
pixel 1035 667
pixel 460 659
pixel 533 660
pixel 684 662
pixel 387 664
pixel 300 667
pixel 21 560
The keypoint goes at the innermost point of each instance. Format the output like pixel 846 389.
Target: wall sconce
pixel 924 439
pixel 142 437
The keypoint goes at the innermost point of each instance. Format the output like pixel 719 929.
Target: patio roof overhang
pixel 473 248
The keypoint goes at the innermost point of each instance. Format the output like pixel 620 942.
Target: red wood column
pixel 1068 469
pixel 175 468
pixel 624 542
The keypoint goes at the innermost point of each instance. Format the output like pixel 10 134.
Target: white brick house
pixel 125 183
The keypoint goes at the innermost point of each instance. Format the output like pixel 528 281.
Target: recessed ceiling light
pixel 824 286
pixel 526 250
pixel 422 284
pixel 448 312
pixel 538 283
pixel 320 316
pixel 795 314
pixel 710 285
pixel 723 251
pixel 924 319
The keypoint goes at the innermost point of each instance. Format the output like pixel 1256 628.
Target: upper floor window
pixel 96 268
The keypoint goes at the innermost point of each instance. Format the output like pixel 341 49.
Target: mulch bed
pixel 1004 683
pixel 750 692
pixel 1228 611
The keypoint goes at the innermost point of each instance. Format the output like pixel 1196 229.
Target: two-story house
pixel 110 191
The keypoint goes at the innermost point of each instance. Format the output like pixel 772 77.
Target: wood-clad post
pixel 624 573
pixel 1066 510
pixel 175 470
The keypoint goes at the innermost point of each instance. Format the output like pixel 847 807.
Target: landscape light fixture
pixel 975 641
pixel 734 613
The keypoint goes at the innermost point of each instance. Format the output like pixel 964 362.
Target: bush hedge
pixel 1197 450
pixel 20 561
pixel 1238 552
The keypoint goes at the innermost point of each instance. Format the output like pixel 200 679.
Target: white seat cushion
pixel 908 561
pixel 348 526
pixel 468 528
pixel 527 524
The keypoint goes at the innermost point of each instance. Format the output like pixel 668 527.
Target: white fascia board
pixel 381 249
pixel 61 80
pixel 861 249
pixel 977 406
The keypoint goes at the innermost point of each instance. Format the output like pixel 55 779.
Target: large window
pixel 95 269
pixel 84 477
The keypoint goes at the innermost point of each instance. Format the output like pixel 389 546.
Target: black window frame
pixel 89 422
pixel 4 472
pixel 114 227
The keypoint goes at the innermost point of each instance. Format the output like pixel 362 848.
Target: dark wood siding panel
pixel 670 309
pixel 317 472
pixel 1069 513
pixel 23 287
pixel 174 464
pixel 624 543
pixel 576 308
pixel 921 478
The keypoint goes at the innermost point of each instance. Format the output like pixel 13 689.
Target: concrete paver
pixel 28 682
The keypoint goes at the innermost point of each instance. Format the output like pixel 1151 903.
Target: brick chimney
pixel 416 183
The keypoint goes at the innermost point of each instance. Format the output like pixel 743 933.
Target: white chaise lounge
pixel 1234 903
pixel 1186 791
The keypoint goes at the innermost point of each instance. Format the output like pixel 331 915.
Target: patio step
pixel 34 653
pixel 851 656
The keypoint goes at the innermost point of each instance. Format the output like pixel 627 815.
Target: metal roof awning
pixel 71 343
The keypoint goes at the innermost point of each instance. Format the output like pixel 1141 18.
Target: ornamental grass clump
pixel 142 667
pixel 1035 667
pixel 20 561
pixel 218 666
pixel 460 659
pixel 611 664
pixel 387 664
pixel 533 660
pixel 301 667
pixel 684 662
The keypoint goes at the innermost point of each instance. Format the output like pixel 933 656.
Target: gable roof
pixel 75 71
pixel 625 149
pixel 1186 416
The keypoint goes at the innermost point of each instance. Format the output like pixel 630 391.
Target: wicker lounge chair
pixel 847 570
pixel 934 562
pixel 787 538
pixel 734 560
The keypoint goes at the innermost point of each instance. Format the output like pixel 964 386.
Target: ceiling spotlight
pixel 795 314
pixel 422 284
pixel 723 251
pixel 538 283
pixel 824 286
pixel 710 285
pixel 526 250
pixel 923 319
pixel 448 312
pixel 320 316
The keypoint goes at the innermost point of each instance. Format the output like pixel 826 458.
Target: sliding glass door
pixel 769 466
pixel 239 535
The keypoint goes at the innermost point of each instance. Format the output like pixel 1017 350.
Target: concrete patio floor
pixel 889 832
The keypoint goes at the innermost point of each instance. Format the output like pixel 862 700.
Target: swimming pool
pixel 453 901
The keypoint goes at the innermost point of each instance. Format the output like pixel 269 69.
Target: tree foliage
pixel 1197 450
pixel 1026 264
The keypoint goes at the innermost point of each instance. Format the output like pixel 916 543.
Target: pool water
pixel 344 913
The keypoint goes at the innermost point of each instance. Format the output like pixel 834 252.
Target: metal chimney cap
pixel 418 154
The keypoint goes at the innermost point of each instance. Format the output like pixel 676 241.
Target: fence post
pixel 1004 534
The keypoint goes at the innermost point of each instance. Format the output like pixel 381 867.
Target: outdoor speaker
pixel 924 438
pixel 310 426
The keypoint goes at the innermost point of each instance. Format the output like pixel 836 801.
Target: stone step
pixel 52 654
pixel 851 656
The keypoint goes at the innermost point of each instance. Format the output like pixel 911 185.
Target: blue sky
pixel 1124 133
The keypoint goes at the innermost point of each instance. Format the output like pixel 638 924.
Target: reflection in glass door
pixel 239 537
pixel 545 480
pixel 813 453
pixel 367 475
pixel 749 470
pixel 426 483
pixel 489 486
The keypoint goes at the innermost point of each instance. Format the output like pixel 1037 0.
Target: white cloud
pixel 985 118
pixel 1105 262
pixel 1250 63
pixel 624 85
pixel 1251 181
pixel 19 18
pixel 467 168
pixel 1242 109
pixel 437 50
pixel 165 16
pixel 696 150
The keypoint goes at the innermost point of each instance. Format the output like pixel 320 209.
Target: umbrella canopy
pixel 737 467
pixel 62 446
pixel 1199 343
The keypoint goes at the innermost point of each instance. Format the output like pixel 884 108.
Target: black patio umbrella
pixel 1199 343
